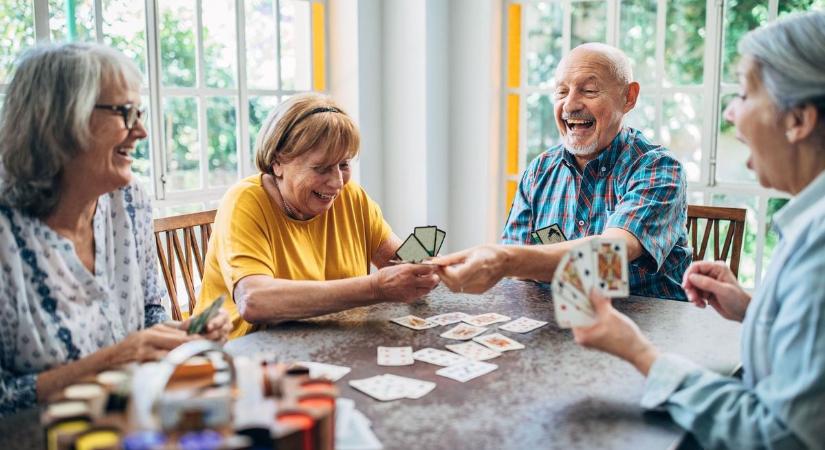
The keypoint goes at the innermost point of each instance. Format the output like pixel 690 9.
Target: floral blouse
pixel 53 310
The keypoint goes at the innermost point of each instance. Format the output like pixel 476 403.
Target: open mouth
pixel 579 124
pixel 324 197
pixel 124 152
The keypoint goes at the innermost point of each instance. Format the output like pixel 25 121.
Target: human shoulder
pixel 544 163
pixel 246 193
pixel 639 150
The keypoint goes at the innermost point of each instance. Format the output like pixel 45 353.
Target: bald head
pixel 612 60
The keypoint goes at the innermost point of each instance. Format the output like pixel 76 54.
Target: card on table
pixel 389 387
pixel 412 250
pixel 610 262
pixel 522 325
pixel 197 324
pixel 467 371
pixel 463 332
pixel 413 388
pixel 438 357
pixel 483 320
pixel 395 356
pixel 499 342
pixel 448 318
pixel 474 351
pixel 414 322
pixel 322 370
pixel 550 235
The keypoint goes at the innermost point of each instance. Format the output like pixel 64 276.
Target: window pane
pixel 685 41
pixel 747 263
pixel 124 29
pixel 295 45
pixel 261 46
pixel 67 24
pixel 259 109
pixel 792 6
pixel 16 34
pixel 681 130
pixel 643 117
pixel 177 42
pixel 542 132
pixel 141 162
pixel 588 22
pixel 731 154
pixel 180 130
pixel 222 134
pixel 741 16
pixel 638 38
pixel 219 43
pixel 544 41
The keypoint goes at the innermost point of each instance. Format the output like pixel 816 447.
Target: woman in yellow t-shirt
pixel 297 240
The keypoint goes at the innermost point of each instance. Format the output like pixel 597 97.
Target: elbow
pixel 252 308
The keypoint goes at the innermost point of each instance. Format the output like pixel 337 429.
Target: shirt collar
pixel 607 158
pixel 796 213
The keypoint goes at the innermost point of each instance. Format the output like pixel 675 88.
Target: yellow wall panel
pixel 511 194
pixel 514 45
pixel 511 146
pixel 319 76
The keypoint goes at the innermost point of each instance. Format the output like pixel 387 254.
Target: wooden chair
pixel 168 232
pixel 713 216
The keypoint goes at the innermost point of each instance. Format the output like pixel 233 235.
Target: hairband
pixel 298 120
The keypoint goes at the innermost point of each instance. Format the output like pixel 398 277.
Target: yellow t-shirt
pixel 252 237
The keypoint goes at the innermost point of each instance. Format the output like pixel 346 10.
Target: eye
pixel 344 165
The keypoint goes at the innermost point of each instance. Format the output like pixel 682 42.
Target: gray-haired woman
pixel 79 290
pixel 780 403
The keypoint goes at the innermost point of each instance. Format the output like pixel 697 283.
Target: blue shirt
pixel 633 185
pixel 53 310
pixel 780 402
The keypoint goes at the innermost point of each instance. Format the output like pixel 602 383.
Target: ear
pixel 800 123
pixel 631 96
pixel 277 169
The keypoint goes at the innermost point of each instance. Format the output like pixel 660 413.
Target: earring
pixel 788 135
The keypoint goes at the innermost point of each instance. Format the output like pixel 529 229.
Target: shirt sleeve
pixel 520 220
pixel 379 229
pixel 17 392
pixel 243 232
pixel 653 207
pixel 783 409
pixel 154 292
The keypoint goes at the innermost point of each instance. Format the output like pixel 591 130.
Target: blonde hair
pixel 303 123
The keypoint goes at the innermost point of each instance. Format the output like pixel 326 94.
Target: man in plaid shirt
pixel 605 179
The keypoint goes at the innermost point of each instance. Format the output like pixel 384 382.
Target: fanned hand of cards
pixel 601 263
pixel 548 235
pixel 198 323
pixel 422 244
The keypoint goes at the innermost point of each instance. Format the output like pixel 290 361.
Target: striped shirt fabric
pixel 633 185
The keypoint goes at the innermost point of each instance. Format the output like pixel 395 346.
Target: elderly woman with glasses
pixel 780 115
pixel 79 290
pixel 297 239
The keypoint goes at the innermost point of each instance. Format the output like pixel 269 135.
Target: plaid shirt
pixel 633 185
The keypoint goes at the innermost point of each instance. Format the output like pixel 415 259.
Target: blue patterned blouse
pixel 53 310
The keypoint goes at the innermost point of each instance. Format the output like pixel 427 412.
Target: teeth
pixel 325 196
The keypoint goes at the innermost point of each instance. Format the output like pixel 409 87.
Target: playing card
pixel 522 325
pixel 610 263
pixel 498 342
pixel 463 331
pixel 412 250
pixel 467 371
pixel 483 320
pixel 438 357
pixel 381 388
pixel 322 370
pixel 395 356
pixel 439 240
pixel 448 318
pixel 416 323
pixel 427 237
pixel 197 324
pixel 551 234
pixel 413 388
pixel 473 351
pixel 535 237
pixel 572 308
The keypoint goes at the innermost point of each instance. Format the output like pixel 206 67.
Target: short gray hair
pixel 790 54
pixel 45 117
pixel 616 60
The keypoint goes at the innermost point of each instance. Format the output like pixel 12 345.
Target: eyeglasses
pixel 130 113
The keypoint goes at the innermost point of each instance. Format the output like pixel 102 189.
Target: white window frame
pixel 712 89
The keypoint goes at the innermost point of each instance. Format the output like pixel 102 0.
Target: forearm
pixel 54 380
pixel 536 262
pixel 262 299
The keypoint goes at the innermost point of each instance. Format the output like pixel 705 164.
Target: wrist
pixel 644 357
pixel 373 289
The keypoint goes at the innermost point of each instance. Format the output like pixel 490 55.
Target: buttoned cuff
pixel 665 377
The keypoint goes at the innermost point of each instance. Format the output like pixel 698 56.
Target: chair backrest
pixel 194 229
pixel 713 218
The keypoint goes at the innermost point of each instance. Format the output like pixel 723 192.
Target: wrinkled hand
pixel 404 282
pixel 217 329
pixel 152 343
pixel 713 283
pixel 616 334
pixel 474 270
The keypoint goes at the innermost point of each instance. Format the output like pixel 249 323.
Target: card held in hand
pixel 412 251
pixel 197 324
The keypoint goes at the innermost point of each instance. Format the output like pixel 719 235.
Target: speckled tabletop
pixel 553 394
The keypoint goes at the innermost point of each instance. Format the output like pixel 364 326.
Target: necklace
pixel 290 212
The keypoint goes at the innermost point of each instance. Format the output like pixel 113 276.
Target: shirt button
pixel 604 168
pixel 581 223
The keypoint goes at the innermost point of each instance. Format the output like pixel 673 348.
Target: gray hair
pixel 616 60
pixel 45 117
pixel 790 53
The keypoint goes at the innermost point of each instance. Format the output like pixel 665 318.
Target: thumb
pixel 601 304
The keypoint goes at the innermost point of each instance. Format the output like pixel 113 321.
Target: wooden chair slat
pixel 714 217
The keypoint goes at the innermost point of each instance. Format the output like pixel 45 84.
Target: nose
pixel 730 110
pixel 138 131
pixel 336 178
pixel 572 102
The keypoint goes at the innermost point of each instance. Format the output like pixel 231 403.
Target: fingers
pixel 452 258
pixel 601 304
pixel 422 269
pixel 165 338
pixel 708 284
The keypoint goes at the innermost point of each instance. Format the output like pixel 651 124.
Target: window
pixel 212 69
pixel 684 57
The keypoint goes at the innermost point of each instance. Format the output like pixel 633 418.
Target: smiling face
pixel 107 159
pixel 590 101
pixel 310 183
